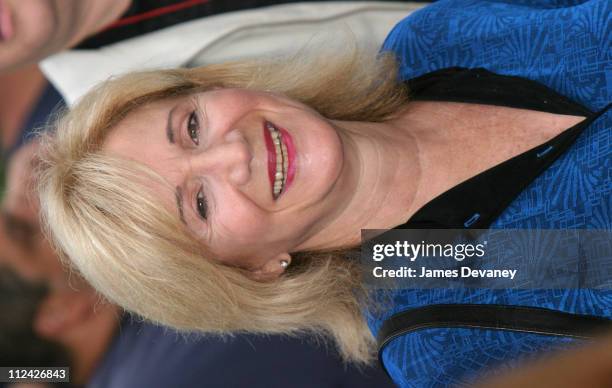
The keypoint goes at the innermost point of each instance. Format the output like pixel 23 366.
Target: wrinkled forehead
pixel 139 125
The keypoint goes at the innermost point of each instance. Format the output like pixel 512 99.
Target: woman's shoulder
pixel 520 38
pixel 514 13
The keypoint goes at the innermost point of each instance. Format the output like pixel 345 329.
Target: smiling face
pixel 226 154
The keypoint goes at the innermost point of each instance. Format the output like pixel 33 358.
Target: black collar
pixel 478 201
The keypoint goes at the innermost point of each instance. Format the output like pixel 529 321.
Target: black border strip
pixel 525 319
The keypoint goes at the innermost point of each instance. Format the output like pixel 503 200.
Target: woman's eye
pixel 193 128
pixel 201 204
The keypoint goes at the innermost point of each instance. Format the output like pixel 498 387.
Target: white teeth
pixel 282 162
pixel 285 163
pixel 285 168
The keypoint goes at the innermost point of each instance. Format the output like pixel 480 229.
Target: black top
pixel 478 201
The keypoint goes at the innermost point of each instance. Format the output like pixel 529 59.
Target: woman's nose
pixel 229 159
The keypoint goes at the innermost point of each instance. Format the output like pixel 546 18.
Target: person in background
pixel 20 91
pixel 35 29
pixel 32 30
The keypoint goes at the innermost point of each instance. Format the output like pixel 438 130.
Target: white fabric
pixel 229 36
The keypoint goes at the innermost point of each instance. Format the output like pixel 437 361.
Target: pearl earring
pixel 284 264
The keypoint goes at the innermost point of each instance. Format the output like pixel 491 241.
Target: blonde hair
pixel 140 256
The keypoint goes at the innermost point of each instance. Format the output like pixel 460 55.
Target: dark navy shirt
pixel 147 356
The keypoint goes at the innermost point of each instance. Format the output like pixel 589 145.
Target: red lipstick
pixel 279 144
pixel 271 155
pixel 288 141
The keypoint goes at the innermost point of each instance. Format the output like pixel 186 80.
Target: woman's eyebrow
pixel 169 129
pixel 179 203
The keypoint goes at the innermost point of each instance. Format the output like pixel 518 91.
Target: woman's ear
pixel 273 268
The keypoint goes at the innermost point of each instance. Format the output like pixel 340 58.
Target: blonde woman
pixel 231 197
pixel 186 227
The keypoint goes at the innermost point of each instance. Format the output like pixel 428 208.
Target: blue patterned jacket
pixel 567 46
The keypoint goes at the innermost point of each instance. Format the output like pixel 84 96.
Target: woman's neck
pixel 394 168
pixel 380 179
